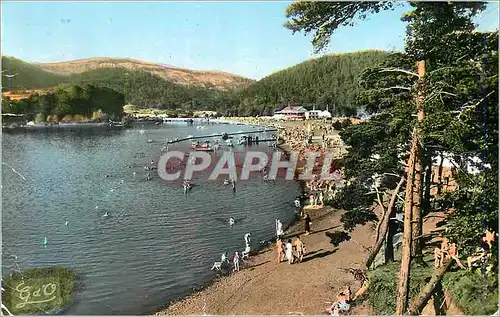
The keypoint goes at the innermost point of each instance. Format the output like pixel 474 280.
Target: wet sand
pixel 266 287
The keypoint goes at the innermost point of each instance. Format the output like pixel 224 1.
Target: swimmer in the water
pixel 105 214
pixel 231 221
pixel 148 177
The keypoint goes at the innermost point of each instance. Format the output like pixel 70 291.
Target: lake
pixel 156 243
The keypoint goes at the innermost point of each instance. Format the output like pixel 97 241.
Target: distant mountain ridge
pixel 330 80
pixel 209 79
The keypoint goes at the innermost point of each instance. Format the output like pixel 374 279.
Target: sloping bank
pixel 266 287
pixel 463 293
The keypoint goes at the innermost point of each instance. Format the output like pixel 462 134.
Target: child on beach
pixel 236 261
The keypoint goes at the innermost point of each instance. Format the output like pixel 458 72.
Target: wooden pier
pixel 220 135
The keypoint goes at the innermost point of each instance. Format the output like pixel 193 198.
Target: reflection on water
pixel 155 242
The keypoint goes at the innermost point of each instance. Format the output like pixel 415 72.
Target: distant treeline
pixel 329 80
pixel 85 101
pixel 146 90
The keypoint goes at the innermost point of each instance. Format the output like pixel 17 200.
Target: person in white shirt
pixel 289 251
pixel 236 261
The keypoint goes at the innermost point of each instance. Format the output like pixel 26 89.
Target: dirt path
pixel 267 287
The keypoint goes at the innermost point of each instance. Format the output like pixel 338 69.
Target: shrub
pixel 473 294
pixel 383 285
pixel 50 287
pixel 99 115
pixel 67 118
pixel 79 118
pixel 337 125
pixel 345 123
pixel 39 118
pixel 53 118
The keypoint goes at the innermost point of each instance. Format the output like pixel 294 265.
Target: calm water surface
pixel 155 245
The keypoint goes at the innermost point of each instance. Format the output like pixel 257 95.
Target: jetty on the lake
pixel 195 137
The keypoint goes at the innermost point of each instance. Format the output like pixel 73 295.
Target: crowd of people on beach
pixel 300 141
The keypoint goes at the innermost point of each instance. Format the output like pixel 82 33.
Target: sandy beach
pixel 266 287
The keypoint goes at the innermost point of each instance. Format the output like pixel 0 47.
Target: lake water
pixel 155 245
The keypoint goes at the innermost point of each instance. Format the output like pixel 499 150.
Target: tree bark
pixel 404 273
pixel 389 244
pixel 426 207
pixel 384 211
pixel 422 298
pixel 384 225
pixel 417 185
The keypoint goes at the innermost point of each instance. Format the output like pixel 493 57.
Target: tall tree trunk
pixel 426 206
pixel 384 225
pixel 389 244
pixel 404 273
pixel 417 189
pixel 426 293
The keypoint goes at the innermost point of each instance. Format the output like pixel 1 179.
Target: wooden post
pixel 417 188
pixel 404 273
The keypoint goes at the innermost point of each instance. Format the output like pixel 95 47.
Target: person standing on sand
pixel 236 261
pixel 279 228
pixel 307 223
pixel 289 251
pixel 281 253
pixel 299 248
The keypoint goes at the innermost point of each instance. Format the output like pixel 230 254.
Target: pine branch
pixel 397 70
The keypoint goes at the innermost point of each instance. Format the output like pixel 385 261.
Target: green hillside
pixel 28 75
pixel 331 79
pixel 146 90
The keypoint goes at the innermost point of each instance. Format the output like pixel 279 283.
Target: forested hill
pixel 208 79
pixel 139 87
pixel 45 75
pixel 143 89
pixel 26 75
pixel 330 79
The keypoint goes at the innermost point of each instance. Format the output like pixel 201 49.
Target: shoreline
pixel 247 293
pixel 213 293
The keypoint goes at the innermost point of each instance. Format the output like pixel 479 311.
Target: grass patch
pixel 383 285
pixel 39 290
pixel 471 293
